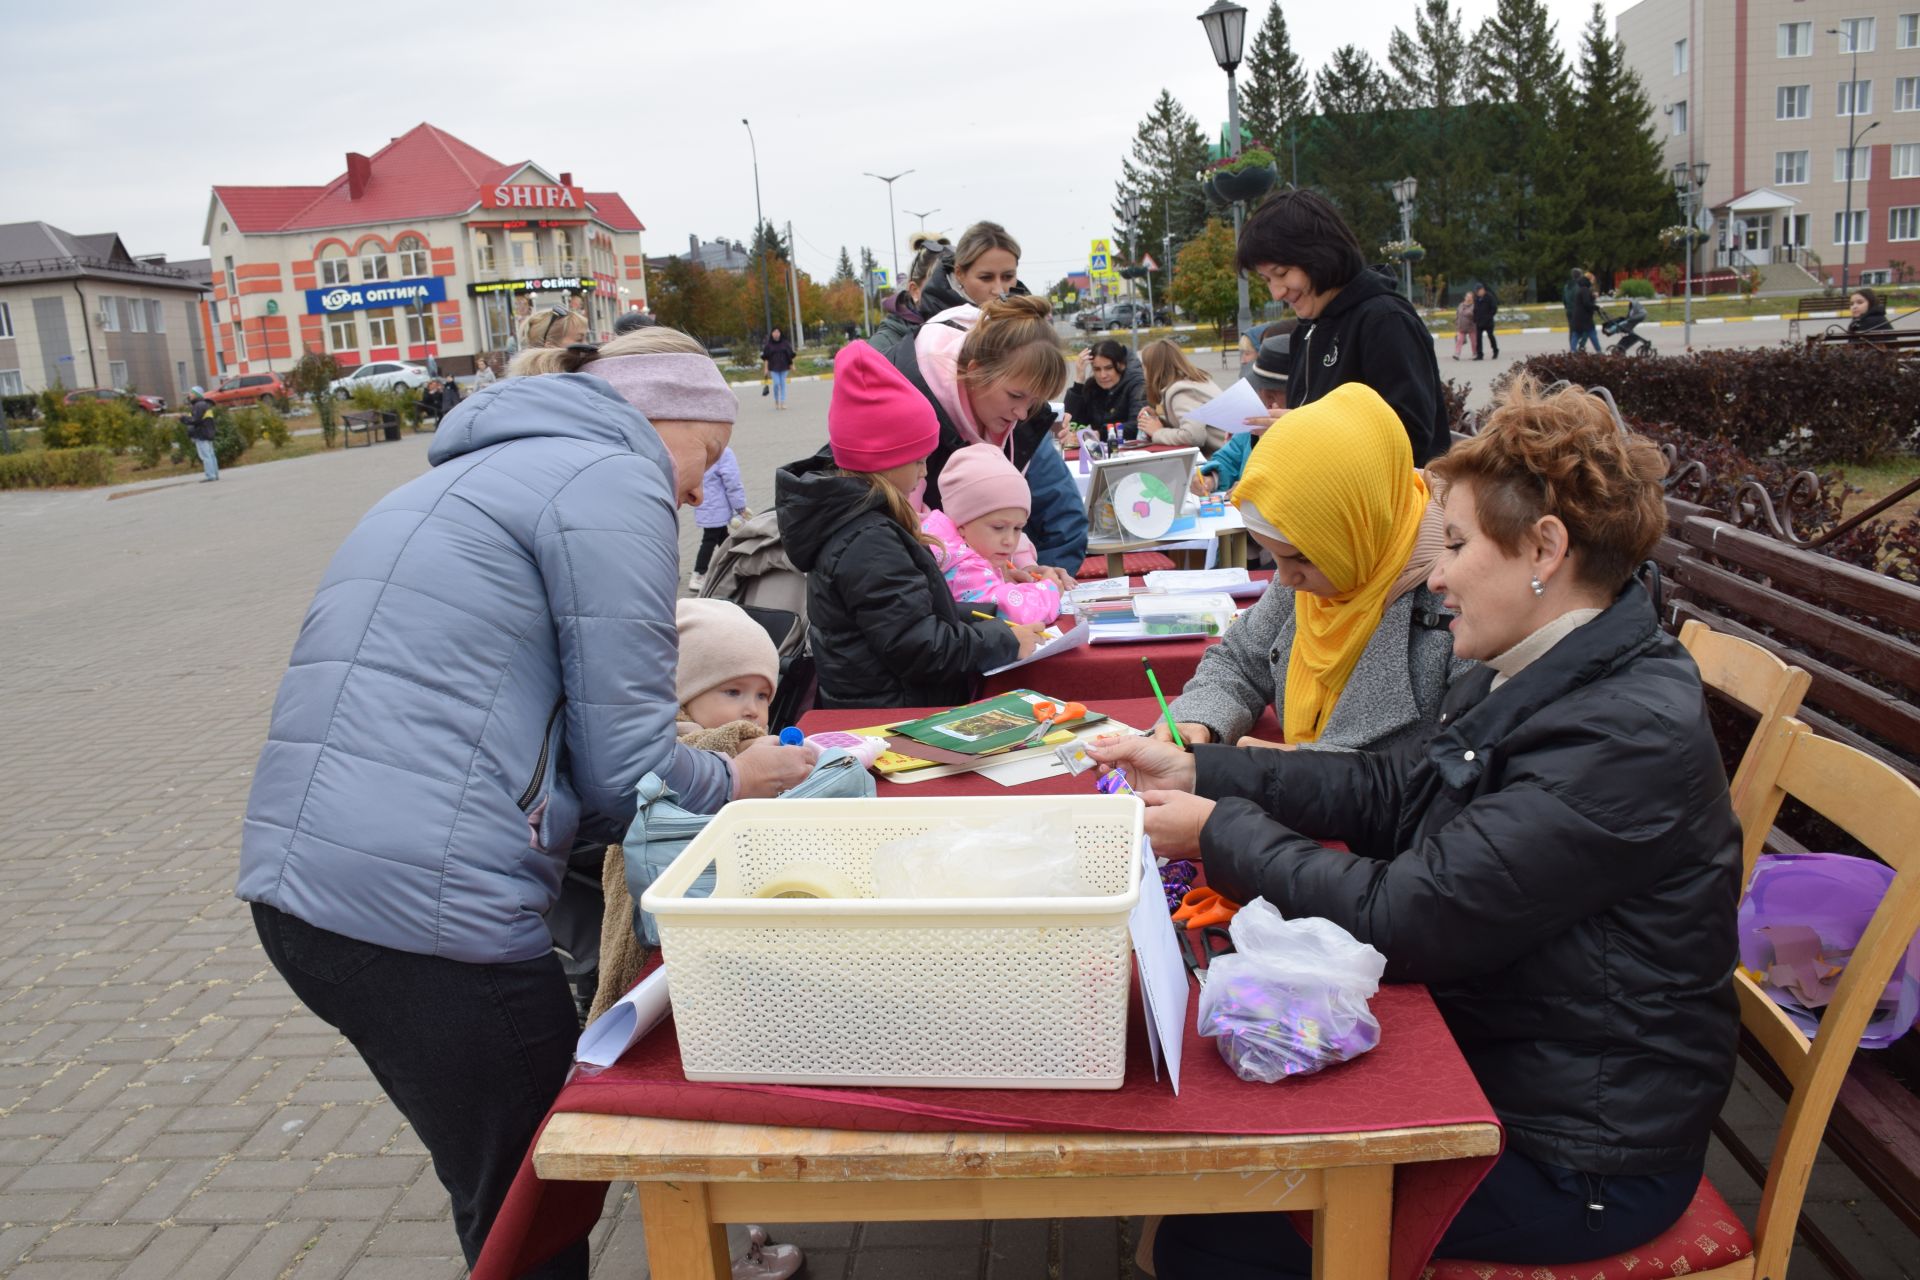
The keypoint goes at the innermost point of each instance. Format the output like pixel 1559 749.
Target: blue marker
pixel 791 736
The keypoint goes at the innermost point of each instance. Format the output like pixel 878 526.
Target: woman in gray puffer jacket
pixel 485 674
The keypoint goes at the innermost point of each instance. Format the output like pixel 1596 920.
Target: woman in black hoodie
pixel 1869 323
pixel 1353 326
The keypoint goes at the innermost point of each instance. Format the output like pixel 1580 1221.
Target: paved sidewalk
pixel 166 1108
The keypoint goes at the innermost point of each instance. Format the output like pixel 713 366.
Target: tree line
pixel 1528 163
pixel 726 304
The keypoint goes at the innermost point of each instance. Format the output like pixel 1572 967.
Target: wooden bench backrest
pixel 1881 809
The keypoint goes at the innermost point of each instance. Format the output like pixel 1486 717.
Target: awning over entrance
pixel 1759 200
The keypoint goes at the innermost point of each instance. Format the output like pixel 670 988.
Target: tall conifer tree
pixel 1275 96
pixel 1530 108
pixel 1619 195
pixel 1168 149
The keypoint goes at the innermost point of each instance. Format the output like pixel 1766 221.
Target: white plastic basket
pixel 1012 993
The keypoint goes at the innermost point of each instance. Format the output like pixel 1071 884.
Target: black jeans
pixel 1524 1212
pixel 471 1054
pixel 710 540
pixel 1486 331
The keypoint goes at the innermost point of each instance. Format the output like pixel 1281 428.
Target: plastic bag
pixel 1292 998
pixel 1800 920
pixel 1013 859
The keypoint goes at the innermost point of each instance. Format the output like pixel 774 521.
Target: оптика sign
pixel 375 293
pixel 549 284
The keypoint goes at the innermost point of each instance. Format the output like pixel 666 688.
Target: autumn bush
pixel 45 468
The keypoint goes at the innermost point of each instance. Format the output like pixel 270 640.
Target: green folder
pixel 982 728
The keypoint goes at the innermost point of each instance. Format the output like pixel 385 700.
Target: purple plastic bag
pixel 1802 916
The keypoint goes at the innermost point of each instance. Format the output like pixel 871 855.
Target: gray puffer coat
pixel 486 669
pixel 1394 691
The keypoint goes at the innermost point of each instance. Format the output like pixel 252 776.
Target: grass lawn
pixel 1878 479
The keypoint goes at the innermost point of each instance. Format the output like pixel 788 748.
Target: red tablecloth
pixel 1112 670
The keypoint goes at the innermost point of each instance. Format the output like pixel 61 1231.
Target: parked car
pixel 382 375
pixel 251 388
pixel 148 404
pixel 1119 315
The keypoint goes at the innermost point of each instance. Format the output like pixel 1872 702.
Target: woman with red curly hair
pixel 1559 861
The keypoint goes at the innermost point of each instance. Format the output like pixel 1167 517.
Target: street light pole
pixel 1853 114
pixel 891 225
pixel 1131 205
pixel 922 216
pixel 1404 192
pixel 1690 181
pixel 1226 27
pixel 760 220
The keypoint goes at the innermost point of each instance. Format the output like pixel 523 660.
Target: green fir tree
pixel 1168 150
pixel 843 270
pixel 1530 107
pixel 1618 197
pixel 1349 153
pixel 1275 96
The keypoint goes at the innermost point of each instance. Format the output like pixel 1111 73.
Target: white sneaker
pixel 698 581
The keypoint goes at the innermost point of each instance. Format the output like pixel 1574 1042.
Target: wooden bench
pixel 370 421
pixel 1902 344
pixel 1814 304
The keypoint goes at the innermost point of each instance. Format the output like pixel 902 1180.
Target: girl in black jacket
pixel 1108 391
pixel 1559 862
pixel 883 628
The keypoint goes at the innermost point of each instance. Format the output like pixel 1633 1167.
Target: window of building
pixel 1906 159
pixel 373 266
pixel 109 314
pixel 380 329
pixel 1859 171
pixel 483 253
pixel 342 333
pixel 413 257
pixel 6 321
pixel 1855 98
pixel 419 326
pixel 1850 229
pixel 233 286
pixel 1856 35
pixel 10 383
pixel 156 316
pixel 239 341
pixel 1793 102
pixel 1906 93
pixel 137 315
pixel 1879 275
pixel 117 373
pixel 1904 223
pixel 333 265
pixel 1908 27
pixel 1679 57
pixel 1796 39
pixel 1789 168
pixel 1680 117
pixel 180 374
pixel 563 258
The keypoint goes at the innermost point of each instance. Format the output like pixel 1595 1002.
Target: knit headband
pixel 670 386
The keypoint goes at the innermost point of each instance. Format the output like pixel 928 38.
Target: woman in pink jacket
pixel 984 507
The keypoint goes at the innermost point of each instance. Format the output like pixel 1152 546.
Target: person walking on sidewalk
pixel 1463 323
pixel 1486 304
pixel 200 431
pixel 777 355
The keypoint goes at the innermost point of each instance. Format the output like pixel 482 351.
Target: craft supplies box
pixel 1014 993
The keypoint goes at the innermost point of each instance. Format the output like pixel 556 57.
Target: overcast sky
pixel 1022 116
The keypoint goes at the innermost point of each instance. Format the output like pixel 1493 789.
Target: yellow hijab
pixel 1336 478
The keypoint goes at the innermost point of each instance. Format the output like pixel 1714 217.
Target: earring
pixel 1539 588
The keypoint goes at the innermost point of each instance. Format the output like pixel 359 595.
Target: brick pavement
pixel 166 1107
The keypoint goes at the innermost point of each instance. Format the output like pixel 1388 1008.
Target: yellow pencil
pixel 990 617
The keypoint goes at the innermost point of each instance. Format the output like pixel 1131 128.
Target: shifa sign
pixel 376 293
pixel 522 195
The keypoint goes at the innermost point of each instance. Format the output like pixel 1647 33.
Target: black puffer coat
pixel 1092 405
pixel 884 629
pixel 1371 334
pixel 1560 863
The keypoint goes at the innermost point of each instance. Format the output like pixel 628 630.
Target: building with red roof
pixel 427 249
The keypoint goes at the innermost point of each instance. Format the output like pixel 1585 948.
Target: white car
pixel 382 375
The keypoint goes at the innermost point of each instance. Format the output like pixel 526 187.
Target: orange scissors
pixel 1202 908
pixel 1050 714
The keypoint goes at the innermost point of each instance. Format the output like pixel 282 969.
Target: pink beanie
pixel 876 420
pixel 979 479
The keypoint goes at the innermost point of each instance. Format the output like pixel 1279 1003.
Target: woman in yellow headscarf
pixel 1350 647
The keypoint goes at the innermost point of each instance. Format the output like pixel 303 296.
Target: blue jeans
pixel 207 460
pixel 780 386
pixel 1588 335
pixel 1524 1211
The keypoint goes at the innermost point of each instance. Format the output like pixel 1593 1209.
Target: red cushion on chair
pixel 1708 1235
pixel 1093 568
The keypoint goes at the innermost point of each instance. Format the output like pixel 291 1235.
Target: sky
pixel 1021 114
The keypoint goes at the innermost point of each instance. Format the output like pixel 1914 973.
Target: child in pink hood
pixel 984 507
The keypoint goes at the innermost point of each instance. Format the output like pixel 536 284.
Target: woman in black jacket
pixel 1559 862
pixel 1108 391
pixel 1353 326
pixel 884 629
pixel 1869 323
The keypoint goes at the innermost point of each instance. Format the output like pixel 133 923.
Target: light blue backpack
pixel 662 829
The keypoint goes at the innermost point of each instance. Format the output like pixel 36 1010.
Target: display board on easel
pixel 1136 498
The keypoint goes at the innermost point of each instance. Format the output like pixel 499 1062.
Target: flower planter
pixel 1228 186
pixel 1413 255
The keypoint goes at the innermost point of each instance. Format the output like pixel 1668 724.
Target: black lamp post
pixel 1853 114
pixel 760 220
pixel 1226 25
pixel 1404 192
pixel 1689 183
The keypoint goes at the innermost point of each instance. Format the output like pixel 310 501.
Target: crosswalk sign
pixel 1097 262
pixel 880 278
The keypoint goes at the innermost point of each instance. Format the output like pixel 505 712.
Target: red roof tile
pixel 423 173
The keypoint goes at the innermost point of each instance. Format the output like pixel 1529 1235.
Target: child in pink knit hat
pixel 984 503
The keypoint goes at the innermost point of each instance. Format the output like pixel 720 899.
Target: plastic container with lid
pixel 1199 614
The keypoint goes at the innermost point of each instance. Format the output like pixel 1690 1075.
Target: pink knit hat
pixel 875 419
pixel 979 479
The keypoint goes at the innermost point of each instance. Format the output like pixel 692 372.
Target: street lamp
pixel 1403 193
pixel 890 223
pixel 1853 114
pixel 1226 25
pixel 1130 205
pixel 922 216
pixel 1689 183
pixel 760 220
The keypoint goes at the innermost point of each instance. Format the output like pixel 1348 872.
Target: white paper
pixel 1164 991
pixel 1034 768
pixel 1072 638
pixel 617 1030
pixel 1230 409
pixel 1173 582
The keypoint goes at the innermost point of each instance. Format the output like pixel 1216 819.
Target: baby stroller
pixel 1631 343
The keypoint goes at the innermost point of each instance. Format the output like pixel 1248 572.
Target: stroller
pixel 1623 327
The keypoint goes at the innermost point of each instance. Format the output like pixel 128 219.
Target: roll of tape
pixel 806 882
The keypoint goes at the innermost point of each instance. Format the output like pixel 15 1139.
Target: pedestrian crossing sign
pixel 1097 262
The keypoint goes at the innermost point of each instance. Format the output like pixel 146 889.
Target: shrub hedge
pixel 45 468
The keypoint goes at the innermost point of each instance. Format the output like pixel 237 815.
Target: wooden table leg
pixel 683 1240
pixel 1353 1234
pixel 1116 564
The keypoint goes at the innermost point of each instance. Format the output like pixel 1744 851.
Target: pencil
pixel 1165 712
pixel 990 617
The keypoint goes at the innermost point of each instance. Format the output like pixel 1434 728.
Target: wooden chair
pixel 1758 681
pixel 1881 809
